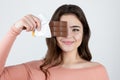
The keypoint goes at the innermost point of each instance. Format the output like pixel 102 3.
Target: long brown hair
pixel 54 56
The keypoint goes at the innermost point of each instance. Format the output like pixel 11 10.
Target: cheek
pixel 78 38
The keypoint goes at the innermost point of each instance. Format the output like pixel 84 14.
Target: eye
pixel 75 30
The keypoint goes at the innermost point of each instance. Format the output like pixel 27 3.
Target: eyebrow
pixel 75 26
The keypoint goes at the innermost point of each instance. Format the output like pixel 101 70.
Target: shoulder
pixel 99 70
pixel 93 65
pixel 89 64
pixel 96 66
pixel 35 64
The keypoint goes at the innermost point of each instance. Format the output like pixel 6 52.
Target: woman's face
pixel 75 34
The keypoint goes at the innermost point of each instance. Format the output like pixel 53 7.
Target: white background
pixel 103 17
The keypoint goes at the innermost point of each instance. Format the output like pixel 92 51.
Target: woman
pixel 67 58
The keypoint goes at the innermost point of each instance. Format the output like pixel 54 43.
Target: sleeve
pixel 16 72
pixel 101 73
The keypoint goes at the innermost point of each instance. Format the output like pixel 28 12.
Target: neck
pixel 71 58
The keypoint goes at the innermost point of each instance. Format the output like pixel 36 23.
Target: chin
pixel 66 50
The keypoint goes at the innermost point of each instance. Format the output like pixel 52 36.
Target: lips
pixel 67 42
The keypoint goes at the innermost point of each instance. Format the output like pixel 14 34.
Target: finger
pixel 38 22
pixel 25 25
pixel 27 21
pixel 31 20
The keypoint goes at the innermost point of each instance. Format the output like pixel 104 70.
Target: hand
pixel 28 23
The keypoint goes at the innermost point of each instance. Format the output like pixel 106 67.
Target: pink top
pixel 31 71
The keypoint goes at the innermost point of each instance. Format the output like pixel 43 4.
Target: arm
pixel 5 46
pixel 30 22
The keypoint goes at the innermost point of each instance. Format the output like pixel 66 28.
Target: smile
pixel 68 42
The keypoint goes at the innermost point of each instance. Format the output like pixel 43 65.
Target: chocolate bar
pixel 58 28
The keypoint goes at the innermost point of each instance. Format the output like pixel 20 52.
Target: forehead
pixel 71 20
